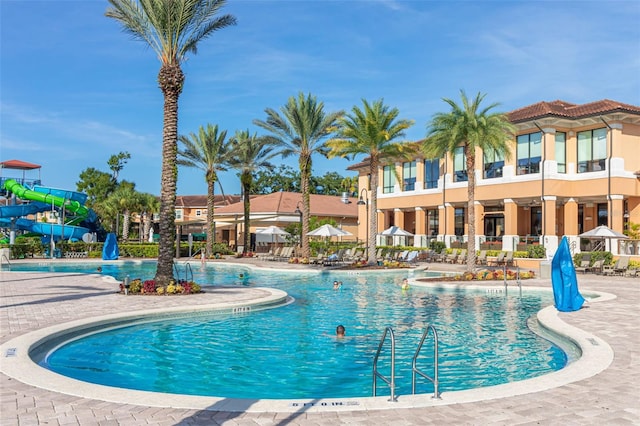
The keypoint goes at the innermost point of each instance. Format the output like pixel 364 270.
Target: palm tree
pixel 172 29
pixel 471 127
pixel 248 154
pixel 207 151
pixel 127 200
pixel 373 131
pixel 301 130
pixel 150 205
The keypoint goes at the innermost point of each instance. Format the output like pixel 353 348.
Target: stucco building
pixel 572 168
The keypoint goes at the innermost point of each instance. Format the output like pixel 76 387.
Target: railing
pixel 415 370
pixel 392 380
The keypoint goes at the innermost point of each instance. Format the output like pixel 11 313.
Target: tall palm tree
pixel 127 200
pixel 208 151
pixel 373 131
pixel 248 154
pixel 172 28
pixel 301 129
pixel 470 126
pixel 150 205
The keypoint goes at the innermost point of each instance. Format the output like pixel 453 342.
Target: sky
pixel 75 89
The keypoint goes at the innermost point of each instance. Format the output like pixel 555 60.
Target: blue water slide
pixel 62 193
pixel 66 232
pixel 23 209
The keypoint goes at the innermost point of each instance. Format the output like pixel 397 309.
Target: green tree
pixel 116 164
pixel 373 131
pixel 301 128
pixel 281 178
pixel 97 185
pixel 208 151
pixel 470 126
pixel 172 29
pixel 149 205
pixel 126 200
pixel 248 154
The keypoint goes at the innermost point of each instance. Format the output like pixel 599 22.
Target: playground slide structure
pixel 43 199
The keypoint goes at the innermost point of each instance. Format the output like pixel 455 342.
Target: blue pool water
pixel 291 351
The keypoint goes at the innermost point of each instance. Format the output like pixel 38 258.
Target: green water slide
pixel 27 194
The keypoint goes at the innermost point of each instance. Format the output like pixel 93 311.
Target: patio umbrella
pixel 396 231
pixel 272 230
pixel 328 231
pixel 602 231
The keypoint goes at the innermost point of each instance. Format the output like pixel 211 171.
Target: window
pixel 592 150
pixel 432 223
pixel 409 176
pixel 459 165
pixel 561 151
pixel 493 164
pixel 536 220
pixel 179 214
pixel 431 173
pixel 388 179
pixel 458 221
pixel 198 213
pixel 529 151
pixel 603 216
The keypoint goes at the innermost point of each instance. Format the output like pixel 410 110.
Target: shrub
pixel 149 287
pixel 437 246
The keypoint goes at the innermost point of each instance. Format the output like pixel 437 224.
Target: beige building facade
pixel 572 168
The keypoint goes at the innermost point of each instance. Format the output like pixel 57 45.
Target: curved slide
pixel 44 198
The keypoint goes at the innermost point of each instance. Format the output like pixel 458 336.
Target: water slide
pixel 43 199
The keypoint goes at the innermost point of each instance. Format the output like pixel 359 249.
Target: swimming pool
pixel 290 352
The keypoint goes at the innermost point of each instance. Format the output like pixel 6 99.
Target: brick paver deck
pixel 32 301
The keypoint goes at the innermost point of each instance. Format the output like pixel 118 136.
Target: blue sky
pixel 74 89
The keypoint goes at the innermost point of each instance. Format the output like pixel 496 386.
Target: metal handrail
pixel 392 381
pixel 188 272
pixel 4 257
pixel 415 370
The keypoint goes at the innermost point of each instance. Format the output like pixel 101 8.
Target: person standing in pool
pixel 340 331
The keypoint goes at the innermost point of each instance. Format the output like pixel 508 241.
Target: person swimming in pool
pixel 340 331
pixel 405 284
pixel 337 285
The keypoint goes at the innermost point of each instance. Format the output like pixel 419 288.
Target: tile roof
pixel 564 109
pixel 287 202
pixel 192 201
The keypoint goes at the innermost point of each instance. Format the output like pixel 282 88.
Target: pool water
pixel 292 352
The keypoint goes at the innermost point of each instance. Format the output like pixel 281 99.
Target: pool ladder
pixel 391 381
pixel 188 272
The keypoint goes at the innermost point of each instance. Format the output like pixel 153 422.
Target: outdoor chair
pixel 462 257
pixel 482 258
pixel 508 259
pixel 619 268
pixel 585 263
pixel 597 266
pixel 500 259
pixel 452 257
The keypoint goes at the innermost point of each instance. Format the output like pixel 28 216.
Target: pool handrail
pixel 415 370
pixel 391 381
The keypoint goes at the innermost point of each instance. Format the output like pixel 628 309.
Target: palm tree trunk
pixel 373 207
pixel 471 209
pixel 246 188
pixel 211 196
pixel 305 175
pixel 171 80
pixel 125 225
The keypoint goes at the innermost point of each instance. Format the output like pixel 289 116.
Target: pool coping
pixel 596 356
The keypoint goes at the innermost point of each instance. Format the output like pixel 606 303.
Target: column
pixel 549 235
pixel 398 220
pixel 510 238
pixel 616 220
pixel 571 223
pixel 420 239
pixel 479 222
pixel 447 223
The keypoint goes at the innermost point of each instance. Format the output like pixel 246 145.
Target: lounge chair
pixel 500 259
pixel 412 257
pixel 462 257
pixel 508 259
pixel 619 268
pixel 585 263
pixel 482 258
pixel 452 257
pixel 597 266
